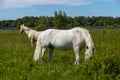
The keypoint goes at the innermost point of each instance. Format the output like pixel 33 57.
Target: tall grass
pixel 16 59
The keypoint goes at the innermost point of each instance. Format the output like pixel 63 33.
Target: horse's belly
pixel 62 44
pixel 63 47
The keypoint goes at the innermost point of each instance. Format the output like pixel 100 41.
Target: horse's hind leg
pixel 43 52
pixel 37 52
pixel 77 57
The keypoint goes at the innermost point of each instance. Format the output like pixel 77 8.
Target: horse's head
pixel 89 52
pixel 89 48
pixel 21 29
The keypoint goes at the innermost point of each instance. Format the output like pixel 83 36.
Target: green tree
pixel 40 27
pixel 60 20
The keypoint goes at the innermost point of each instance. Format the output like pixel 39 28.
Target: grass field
pixel 16 59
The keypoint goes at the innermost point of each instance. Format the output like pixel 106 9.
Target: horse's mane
pixel 26 28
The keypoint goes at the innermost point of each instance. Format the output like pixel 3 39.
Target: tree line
pixel 60 20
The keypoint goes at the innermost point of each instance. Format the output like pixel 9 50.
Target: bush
pixel 40 27
pixel 109 27
pixel 104 67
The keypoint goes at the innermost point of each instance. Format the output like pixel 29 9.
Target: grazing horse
pixel 32 34
pixel 75 38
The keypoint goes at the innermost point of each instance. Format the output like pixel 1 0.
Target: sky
pixel 14 9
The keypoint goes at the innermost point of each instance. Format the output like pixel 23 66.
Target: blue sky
pixel 13 9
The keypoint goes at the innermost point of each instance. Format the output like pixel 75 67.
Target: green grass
pixel 16 59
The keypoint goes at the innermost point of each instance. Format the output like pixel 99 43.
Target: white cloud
pixel 25 3
pixel 1 3
pixel 108 0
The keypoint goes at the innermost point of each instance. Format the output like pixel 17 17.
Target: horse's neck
pixel 27 31
pixel 89 41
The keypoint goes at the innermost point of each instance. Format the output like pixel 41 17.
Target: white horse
pixel 32 34
pixel 75 38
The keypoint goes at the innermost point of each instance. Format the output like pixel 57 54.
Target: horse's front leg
pixel 77 57
pixel 51 54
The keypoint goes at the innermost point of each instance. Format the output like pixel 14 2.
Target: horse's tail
pixel 37 50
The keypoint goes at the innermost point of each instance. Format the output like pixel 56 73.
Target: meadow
pixel 16 59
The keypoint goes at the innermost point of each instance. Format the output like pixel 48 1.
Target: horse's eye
pixel 93 49
pixel 87 47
